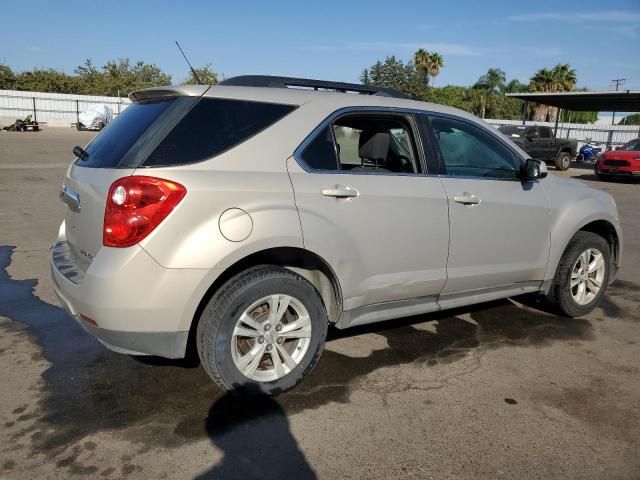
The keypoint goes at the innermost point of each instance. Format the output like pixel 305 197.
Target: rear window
pixel 213 126
pixel 112 144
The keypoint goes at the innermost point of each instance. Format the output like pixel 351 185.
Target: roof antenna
pixel 193 71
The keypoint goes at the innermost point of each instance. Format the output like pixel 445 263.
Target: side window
pixel 375 144
pixel 545 132
pixel 320 154
pixel 212 126
pixel 467 150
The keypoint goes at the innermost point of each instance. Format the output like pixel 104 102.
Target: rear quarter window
pixel 213 126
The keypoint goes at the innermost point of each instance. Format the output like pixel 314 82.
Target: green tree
pixel 206 75
pixel 515 86
pixel 46 80
pixel 7 78
pixel 633 119
pixel 394 73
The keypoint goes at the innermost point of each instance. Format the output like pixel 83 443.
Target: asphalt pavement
pixel 504 389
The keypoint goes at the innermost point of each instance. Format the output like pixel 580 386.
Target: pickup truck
pixel 541 144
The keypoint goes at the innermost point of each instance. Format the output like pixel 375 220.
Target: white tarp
pixel 96 116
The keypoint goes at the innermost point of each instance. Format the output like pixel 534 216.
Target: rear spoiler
pixel 169 91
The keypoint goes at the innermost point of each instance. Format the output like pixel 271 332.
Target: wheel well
pixel 305 263
pixel 608 232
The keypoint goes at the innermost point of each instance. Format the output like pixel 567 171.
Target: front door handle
pixel 340 191
pixel 467 199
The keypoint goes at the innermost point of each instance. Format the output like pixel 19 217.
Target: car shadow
pixel 89 389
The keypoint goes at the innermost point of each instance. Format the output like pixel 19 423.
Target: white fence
pixel 584 132
pixel 53 108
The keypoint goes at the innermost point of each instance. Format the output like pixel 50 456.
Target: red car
pixel 623 161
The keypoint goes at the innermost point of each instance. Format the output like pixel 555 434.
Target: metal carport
pixel 617 101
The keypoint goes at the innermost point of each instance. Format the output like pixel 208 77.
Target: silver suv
pixel 242 219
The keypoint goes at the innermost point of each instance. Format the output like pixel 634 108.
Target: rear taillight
pixel 136 205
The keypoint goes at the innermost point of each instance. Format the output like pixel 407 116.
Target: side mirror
pixel 534 169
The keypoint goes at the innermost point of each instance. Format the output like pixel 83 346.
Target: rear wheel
pixel 582 275
pixel 563 161
pixel 263 331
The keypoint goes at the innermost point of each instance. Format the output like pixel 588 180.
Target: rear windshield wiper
pixel 80 152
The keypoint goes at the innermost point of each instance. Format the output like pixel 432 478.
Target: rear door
pixel 368 207
pixel 499 225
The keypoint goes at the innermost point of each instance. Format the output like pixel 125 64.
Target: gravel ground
pixel 497 390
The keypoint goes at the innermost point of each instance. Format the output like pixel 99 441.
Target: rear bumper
pixel 129 302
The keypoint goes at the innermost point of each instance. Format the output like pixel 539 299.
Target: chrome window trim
pixel 297 153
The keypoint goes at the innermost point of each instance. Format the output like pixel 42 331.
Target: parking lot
pixel 504 389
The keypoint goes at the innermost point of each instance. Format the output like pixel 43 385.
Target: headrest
pixel 374 145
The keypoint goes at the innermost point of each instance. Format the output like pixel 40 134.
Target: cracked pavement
pixel 501 389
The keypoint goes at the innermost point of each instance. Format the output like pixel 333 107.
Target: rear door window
pixel 112 144
pixel 213 126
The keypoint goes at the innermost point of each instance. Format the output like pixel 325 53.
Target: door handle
pixel 467 199
pixel 340 191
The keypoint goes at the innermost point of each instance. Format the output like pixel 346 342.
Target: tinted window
pixel 213 126
pixel 545 132
pixel 112 144
pixel 467 150
pixel 320 154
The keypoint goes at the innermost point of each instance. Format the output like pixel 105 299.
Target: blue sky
pixel 329 39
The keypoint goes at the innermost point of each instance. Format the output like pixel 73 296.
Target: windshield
pixel 512 130
pixel 632 146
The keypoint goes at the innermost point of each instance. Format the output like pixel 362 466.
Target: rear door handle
pixel 467 199
pixel 340 191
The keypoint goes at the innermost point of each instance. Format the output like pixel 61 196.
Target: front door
pixel 367 208
pixel 499 225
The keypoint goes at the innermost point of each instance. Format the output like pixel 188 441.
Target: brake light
pixel 136 205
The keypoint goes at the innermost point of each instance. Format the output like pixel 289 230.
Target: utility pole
pixel 616 82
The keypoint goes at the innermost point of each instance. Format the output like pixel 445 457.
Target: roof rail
pixel 290 82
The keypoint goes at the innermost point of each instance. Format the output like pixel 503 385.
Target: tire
pixel 248 293
pixel 562 294
pixel 563 161
pixel 579 158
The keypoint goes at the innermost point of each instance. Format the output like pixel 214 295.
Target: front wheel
pixel 263 331
pixel 583 274
pixel 563 161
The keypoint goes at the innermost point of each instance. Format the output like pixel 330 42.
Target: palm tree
pixel 422 60
pixel 436 62
pixel 493 80
pixel 542 81
pixel 560 78
pixel 565 77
